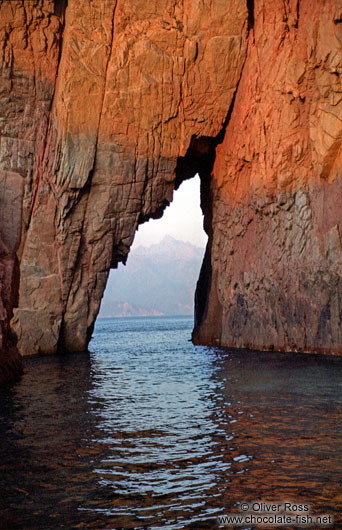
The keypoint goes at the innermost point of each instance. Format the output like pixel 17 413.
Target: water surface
pixel 149 431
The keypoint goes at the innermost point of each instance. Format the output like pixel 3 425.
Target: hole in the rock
pixel 60 7
pixel 164 263
pixel 250 7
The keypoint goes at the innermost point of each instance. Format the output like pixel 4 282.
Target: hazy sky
pixel 182 220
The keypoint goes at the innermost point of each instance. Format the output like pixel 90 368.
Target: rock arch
pixel 108 105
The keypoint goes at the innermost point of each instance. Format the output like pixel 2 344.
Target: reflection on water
pixel 148 431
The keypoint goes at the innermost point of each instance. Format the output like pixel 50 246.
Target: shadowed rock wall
pixel 11 196
pixel 108 105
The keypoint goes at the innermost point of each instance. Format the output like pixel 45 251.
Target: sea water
pixel 149 431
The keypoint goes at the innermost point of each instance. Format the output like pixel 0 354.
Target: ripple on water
pixel 149 431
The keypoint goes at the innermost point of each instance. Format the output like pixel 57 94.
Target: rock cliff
pixel 108 105
pixel 275 263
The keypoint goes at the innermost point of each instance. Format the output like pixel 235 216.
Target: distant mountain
pixel 125 309
pixel 157 280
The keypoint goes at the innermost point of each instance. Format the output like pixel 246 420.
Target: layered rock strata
pixel 108 105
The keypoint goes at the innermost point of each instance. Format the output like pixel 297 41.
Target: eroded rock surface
pixel 276 257
pixel 107 105
pixel 128 85
pixel 30 44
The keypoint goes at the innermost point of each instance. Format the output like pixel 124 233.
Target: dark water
pixel 148 431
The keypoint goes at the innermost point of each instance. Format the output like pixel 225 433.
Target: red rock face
pixel 135 82
pixel 276 252
pixel 30 43
pixel 108 105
